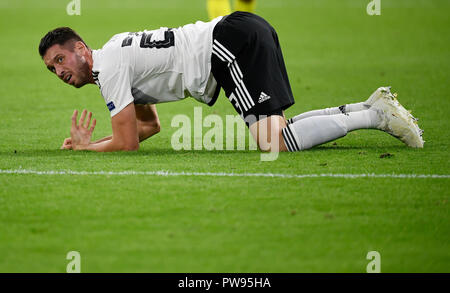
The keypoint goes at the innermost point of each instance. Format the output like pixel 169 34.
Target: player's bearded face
pixel 81 71
pixel 69 65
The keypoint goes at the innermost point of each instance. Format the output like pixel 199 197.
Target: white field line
pixel 170 173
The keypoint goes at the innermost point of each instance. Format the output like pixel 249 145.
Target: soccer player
pixel 239 53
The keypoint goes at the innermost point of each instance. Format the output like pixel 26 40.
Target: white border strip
pixel 170 173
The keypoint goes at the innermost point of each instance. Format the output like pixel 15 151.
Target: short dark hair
pixel 58 36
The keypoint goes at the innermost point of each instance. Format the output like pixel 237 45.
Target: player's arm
pixel 103 139
pixel 67 144
pixel 125 135
pixel 147 123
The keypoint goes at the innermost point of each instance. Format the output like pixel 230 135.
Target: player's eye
pixel 60 59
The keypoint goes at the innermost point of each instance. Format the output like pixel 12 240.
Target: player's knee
pixel 267 133
pixel 272 143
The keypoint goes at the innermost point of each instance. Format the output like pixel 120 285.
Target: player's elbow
pixel 153 126
pixel 149 129
pixel 156 127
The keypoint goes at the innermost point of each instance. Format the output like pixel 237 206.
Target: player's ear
pixel 79 47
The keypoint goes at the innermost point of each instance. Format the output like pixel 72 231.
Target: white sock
pixel 306 133
pixel 331 111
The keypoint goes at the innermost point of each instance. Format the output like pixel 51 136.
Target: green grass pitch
pixel 335 53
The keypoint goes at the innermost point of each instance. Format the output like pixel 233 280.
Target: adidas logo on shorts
pixel 263 97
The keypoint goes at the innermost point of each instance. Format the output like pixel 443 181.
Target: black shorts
pixel 248 64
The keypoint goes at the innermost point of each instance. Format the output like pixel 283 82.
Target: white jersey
pixel 156 66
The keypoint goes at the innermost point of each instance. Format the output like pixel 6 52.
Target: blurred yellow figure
pixel 222 7
pixel 244 5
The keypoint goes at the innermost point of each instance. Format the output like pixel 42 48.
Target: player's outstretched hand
pixel 81 134
pixel 67 144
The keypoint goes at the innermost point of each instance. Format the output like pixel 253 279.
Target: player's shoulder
pixel 109 59
pixel 111 49
pixel 115 41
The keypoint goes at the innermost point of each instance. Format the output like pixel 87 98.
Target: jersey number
pixel 169 40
